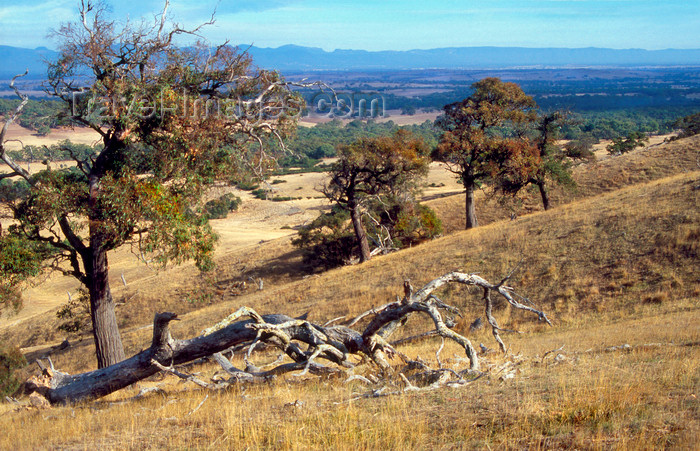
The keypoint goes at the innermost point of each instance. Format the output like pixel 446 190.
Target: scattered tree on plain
pixel 171 121
pixel 545 162
pixel 483 133
pixel 627 144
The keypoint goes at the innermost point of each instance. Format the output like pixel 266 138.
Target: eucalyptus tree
pixel 542 160
pixel 483 133
pixel 371 167
pixel 171 120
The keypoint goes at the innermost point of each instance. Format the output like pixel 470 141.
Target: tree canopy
pixel 688 125
pixel 541 160
pixel 484 132
pixel 618 146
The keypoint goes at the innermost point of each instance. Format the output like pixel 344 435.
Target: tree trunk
pixel 360 233
pixel 69 389
pixel 544 193
pixel 108 342
pixel 333 343
pixel 469 205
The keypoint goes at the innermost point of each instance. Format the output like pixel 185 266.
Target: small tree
pixel 539 160
pixel 481 134
pixel 392 222
pixel 687 126
pixel 11 359
pixel 171 121
pixel 627 144
pixel 371 167
pixel 581 148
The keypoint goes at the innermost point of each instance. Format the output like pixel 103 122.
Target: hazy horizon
pixel 394 25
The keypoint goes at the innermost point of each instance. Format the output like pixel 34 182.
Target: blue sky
pixel 394 24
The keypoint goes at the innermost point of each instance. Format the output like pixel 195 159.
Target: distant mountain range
pixel 302 59
pixel 292 58
pixel 15 60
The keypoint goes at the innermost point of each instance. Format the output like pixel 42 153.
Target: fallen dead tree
pixel 302 341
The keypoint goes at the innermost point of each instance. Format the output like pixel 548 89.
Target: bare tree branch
pixel 17 169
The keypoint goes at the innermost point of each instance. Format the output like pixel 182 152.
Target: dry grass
pixel 20 136
pixel 619 266
pixel 644 398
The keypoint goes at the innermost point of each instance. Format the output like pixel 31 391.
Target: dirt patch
pixel 27 137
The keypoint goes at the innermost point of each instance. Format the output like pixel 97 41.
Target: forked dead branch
pixel 302 341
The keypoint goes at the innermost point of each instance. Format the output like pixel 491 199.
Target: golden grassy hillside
pixel 615 265
pixel 607 174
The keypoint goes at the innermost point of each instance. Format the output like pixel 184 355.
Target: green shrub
pixel 284 198
pixel 581 148
pixel 408 222
pixel 11 297
pixel 221 207
pixel 260 193
pixel 624 145
pixel 688 126
pixel 19 260
pixel 328 241
pixel 247 185
pixel 11 191
pixel 75 313
pixel 11 359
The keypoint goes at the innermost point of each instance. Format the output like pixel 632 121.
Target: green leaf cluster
pixel 621 146
pixel 221 207
pixel 688 126
pixel 11 359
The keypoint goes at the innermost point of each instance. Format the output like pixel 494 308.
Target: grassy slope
pixel 618 267
pixel 592 179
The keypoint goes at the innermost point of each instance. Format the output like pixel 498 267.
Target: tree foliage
pixel 483 133
pixel 540 160
pixel 20 260
pixel 62 151
pixel 38 115
pixel 329 241
pixel 221 207
pixel 11 359
pixel 373 167
pixel 371 186
pixel 627 144
pixel 688 126
pixel 581 148
pixel 309 144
